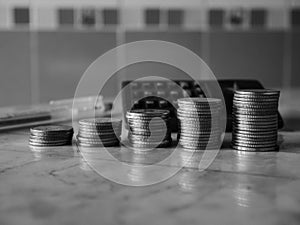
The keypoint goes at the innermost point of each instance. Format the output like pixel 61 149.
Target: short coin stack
pixel 199 123
pixel 53 135
pixel 99 132
pixel 255 120
pixel 149 128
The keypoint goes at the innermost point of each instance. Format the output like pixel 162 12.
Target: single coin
pixel 51 137
pixel 263 149
pixel 51 129
pixel 147 113
pixel 98 144
pixel 259 92
pixel 199 100
pixel 99 121
pixel 39 144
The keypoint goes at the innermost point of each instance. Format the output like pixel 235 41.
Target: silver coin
pixel 199 100
pixel 51 129
pixel 98 144
pixel 45 137
pixel 49 144
pixel 162 144
pixel 258 99
pixel 254 145
pixel 255 117
pixel 263 149
pixel 259 92
pixel 145 113
pixel 253 138
pixel 100 122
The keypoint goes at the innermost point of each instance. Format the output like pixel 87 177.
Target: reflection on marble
pixel 57 186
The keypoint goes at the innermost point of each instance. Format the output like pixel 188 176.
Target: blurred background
pixel 45 46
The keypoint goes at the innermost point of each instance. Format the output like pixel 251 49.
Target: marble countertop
pixel 57 186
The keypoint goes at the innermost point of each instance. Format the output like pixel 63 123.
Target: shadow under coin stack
pixel 199 123
pixel 54 135
pixel 149 128
pixel 99 132
pixel 255 120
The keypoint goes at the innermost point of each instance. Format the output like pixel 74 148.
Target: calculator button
pixel 134 85
pixel 160 85
pixel 147 85
pixel 148 93
pixel 161 94
pixel 176 94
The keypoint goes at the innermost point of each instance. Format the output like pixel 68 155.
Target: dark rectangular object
pixel 110 17
pixel 88 17
pixel 175 17
pixel 66 17
pixel 22 16
pixel 152 16
pixel 216 17
pixel 150 94
pixel 258 18
pixel 295 17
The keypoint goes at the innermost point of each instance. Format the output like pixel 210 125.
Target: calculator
pixel 146 95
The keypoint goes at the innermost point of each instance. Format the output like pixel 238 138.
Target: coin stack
pixel 99 132
pixel 54 135
pixel 149 128
pixel 199 123
pixel 255 120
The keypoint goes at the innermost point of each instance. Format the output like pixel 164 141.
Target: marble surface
pixel 57 186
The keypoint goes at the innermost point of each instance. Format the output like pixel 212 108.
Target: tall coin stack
pixel 255 120
pixel 199 123
pixel 53 135
pixel 149 128
pixel 99 132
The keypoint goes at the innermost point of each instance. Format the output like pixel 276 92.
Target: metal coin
pixel 260 92
pixel 51 129
pixel 100 121
pixel 263 149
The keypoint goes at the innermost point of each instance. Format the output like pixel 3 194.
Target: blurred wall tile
pixel 295 18
pixel 110 17
pixel 15 68
pixel 21 16
pixel 216 18
pixel 248 55
pixel 195 19
pixel 132 18
pixel 47 18
pixel 277 19
pixel 258 18
pixel 190 40
pixel 64 57
pixel 175 17
pixel 4 16
pixel 66 17
pixel 152 16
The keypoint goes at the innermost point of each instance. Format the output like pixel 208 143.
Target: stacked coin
pixel 54 135
pixel 255 120
pixel 99 132
pixel 149 128
pixel 199 123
